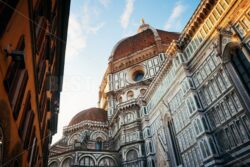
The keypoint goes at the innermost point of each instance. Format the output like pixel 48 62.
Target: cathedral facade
pixel 170 99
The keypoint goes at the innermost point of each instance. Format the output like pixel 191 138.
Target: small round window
pixel 138 75
pixel 143 91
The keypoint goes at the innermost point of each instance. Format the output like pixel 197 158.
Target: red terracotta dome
pixel 91 114
pixel 146 36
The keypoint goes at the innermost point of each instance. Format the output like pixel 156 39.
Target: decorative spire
pixel 142 21
pixel 143 26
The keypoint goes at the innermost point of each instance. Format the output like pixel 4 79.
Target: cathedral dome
pixel 91 114
pixel 146 36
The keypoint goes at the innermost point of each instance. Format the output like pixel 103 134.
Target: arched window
pixel 199 125
pixel 203 150
pixel 206 148
pixel 131 155
pixel 1 145
pixel 212 146
pixel 148 132
pixel 98 144
pixel 196 128
pixel 142 92
pixel 130 94
pixel 242 67
pixel 54 164
pixel 74 138
pixel 67 162
pixel 107 161
pixel 129 118
pixel 204 123
pixel 87 161
pixel 120 99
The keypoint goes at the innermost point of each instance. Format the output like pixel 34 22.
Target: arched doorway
pixel 238 67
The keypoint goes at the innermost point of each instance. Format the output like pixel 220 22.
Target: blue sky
pixel 95 26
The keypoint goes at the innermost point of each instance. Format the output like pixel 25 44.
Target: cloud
pixel 105 3
pixel 81 26
pixel 90 13
pixel 76 38
pixel 127 13
pixel 175 17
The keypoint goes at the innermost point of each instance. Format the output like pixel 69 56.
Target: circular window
pixel 143 91
pixel 120 99
pixel 130 95
pixel 138 76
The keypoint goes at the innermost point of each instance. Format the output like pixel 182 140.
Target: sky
pixel 95 26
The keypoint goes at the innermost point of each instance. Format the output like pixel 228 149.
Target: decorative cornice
pixel 145 82
pixel 83 124
pixel 134 58
pixel 204 7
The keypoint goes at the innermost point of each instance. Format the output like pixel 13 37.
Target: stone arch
pixel 143 91
pixel 166 117
pixel 99 161
pixel 131 155
pixel 119 98
pixel 131 148
pixel 232 53
pixel 130 94
pixel 91 158
pixel 73 137
pixel 89 155
pixel 228 50
pixel 54 163
pixel 99 134
pixel 65 158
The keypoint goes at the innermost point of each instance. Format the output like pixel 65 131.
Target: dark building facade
pixel 33 37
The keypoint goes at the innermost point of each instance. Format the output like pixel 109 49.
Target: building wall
pixel 125 124
pixel 29 60
pixel 122 82
pixel 84 144
pixel 88 158
pixel 199 97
